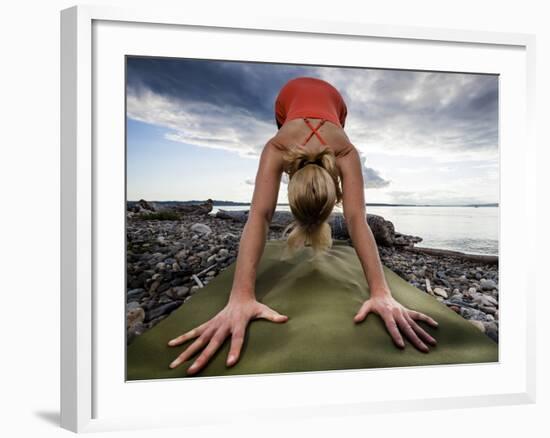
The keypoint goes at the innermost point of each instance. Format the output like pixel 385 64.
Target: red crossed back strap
pixel 314 131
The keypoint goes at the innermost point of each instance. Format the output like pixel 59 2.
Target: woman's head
pixel 313 191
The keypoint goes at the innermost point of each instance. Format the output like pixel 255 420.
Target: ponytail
pixel 313 191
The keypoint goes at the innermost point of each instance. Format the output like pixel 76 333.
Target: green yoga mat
pixel 320 295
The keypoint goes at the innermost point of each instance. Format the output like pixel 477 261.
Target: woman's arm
pixel 254 235
pixel 381 301
pixel 356 222
pixel 242 306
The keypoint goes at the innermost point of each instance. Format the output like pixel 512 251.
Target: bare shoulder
pixel 277 142
pixel 348 159
pixel 345 149
pixel 272 154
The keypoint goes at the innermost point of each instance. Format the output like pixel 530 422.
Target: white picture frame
pixel 92 396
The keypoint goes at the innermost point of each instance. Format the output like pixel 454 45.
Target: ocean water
pixel 473 230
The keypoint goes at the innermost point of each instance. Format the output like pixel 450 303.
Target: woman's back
pixel 294 132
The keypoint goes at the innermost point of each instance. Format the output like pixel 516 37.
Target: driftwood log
pixel 141 206
pixel 478 258
pixel 192 209
pixel 382 229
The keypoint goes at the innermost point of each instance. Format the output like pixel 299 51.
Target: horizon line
pixel 244 203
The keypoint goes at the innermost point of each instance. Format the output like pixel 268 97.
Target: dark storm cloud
pixel 248 87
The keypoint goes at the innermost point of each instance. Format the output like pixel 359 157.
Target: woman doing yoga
pixel 324 170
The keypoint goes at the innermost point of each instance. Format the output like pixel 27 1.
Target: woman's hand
pixel 232 321
pixel 397 317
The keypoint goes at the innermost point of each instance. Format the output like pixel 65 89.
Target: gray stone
pixel 487 284
pixel 477 324
pixel 134 293
pixel 165 299
pixel 180 291
pixel 201 229
pixel 441 292
pixel 134 316
pixel 487 309
pixel 132 305
pixel 162 310
pixel 211 258
pixel 491 328
pixel 154 287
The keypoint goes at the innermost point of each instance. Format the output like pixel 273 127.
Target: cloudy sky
pixel 195 130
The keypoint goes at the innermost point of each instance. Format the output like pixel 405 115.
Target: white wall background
pixel 29 216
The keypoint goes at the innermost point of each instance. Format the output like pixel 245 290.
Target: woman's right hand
pixel 232 321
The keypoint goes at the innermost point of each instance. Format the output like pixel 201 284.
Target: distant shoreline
pixel 369 204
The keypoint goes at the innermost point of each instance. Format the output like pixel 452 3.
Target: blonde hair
pixel 313 191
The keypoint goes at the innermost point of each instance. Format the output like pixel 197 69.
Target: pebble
pixel 211 258
pixel 154 287
pixel 478 324
pixel 180 291
pixel 134 293
pixel 487 284
pixel 134 316
pixel 491 328
pixel 201 228
pixel 429 287
pixel 163 309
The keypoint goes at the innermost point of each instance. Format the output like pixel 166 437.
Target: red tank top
pixel 304 97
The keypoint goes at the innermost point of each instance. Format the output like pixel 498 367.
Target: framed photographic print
pixel 278 212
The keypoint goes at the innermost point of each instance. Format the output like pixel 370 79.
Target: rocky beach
pixel 174 251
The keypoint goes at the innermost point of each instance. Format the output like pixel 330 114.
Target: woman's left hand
pixel 397 317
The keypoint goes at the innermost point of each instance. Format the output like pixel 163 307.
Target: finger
pixel 197 331
pixel 421 317
pixel 191 350
pixel 391 325
pixel 424 335
pixel 215 343
pixel 237 340
pixel 271 315
pixel 410 333
pixel 363 312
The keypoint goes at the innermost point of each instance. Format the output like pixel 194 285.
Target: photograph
pixel 291 218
